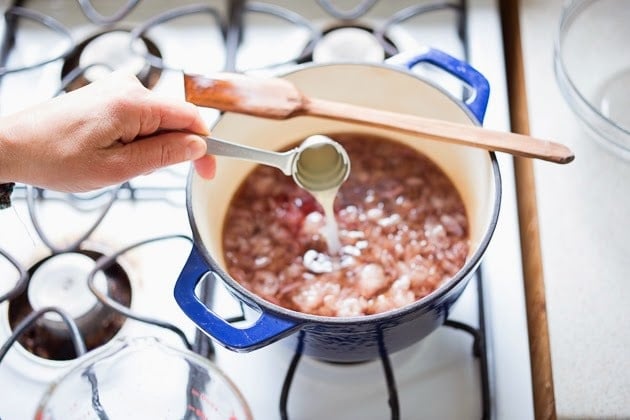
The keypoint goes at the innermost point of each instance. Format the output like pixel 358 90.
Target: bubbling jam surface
pixel 402 226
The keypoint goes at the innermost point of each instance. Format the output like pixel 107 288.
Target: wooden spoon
pixel 279 99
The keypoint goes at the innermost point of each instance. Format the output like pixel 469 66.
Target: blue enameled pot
pixel 395 85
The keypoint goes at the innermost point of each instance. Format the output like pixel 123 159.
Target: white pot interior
pixel 470 169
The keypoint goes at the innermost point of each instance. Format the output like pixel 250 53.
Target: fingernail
pixel 195 149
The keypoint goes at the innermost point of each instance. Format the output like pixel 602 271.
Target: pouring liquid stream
pixel 320 170
pixel 330 230
pixel 325 262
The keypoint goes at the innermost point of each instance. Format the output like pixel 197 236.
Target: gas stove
pixel 136 235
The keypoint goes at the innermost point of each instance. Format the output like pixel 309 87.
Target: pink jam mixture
pixel 402 226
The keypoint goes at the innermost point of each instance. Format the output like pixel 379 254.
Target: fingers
pixel 175 115
pixel 142 112
pixel 151 153
pixel 174 119
pixel 206 166
pixel 182 116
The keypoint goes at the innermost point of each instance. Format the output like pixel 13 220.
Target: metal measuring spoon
pixel 318 164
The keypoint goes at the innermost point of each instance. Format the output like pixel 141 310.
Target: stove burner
pixel 61 281
pixel 107 51
pixel 348 44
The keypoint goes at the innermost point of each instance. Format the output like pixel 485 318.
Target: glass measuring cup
pixel 143 378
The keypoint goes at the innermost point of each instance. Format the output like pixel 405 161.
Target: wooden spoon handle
pixel 515 144
pixel 280 99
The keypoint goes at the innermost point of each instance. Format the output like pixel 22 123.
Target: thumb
pixel 167 149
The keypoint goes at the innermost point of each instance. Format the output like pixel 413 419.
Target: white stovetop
pixel 502 270
pixel 584 211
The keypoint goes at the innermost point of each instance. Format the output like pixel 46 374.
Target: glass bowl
pixel 592 67
pixel 144 378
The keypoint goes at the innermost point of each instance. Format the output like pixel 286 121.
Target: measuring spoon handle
pixel 282 161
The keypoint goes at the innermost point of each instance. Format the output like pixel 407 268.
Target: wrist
pixel 6 180
pixel 4 155
pixel 8 157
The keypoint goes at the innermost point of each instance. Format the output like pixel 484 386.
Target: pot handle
pixel 265 330
pixel 478 102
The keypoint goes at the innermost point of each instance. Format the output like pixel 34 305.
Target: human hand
pixel 102 134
